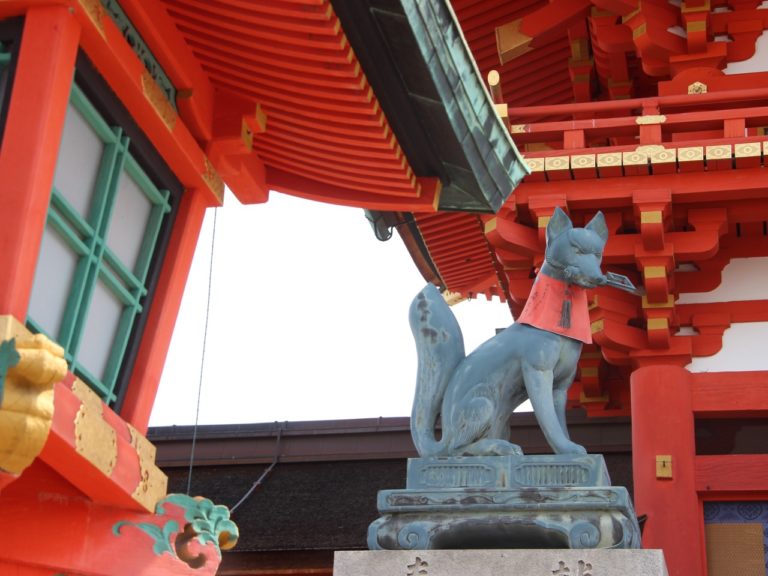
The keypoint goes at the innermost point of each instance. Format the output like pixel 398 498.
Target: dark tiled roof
pixel 321 495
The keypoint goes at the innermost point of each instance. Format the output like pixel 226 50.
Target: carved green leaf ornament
pixel 208 522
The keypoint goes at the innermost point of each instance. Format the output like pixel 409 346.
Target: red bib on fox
pixel 558 307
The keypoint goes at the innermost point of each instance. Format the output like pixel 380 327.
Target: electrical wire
pixel 202 356
pixel 263 474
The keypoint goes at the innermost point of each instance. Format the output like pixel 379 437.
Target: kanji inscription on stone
pixel 418 568
pixel 582 569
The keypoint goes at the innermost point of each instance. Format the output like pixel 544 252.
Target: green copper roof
pixel 416 59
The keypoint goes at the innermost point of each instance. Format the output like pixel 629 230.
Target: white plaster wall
pixel 745 347
pixel 743 279
pixel 759 60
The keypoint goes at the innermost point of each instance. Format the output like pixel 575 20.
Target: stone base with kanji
pixel 505 502
pixel 596 562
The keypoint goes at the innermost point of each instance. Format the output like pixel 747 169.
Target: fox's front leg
pixel 560 396
pixel 539 385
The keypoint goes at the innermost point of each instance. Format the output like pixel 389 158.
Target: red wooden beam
pixel 727 393
pixel 735 473
pixel 194 90
pixel 728 98
pixel 150 360
pixel 31 140
pixel 520 36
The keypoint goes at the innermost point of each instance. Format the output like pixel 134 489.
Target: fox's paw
pixel 492 447
pixel 569 447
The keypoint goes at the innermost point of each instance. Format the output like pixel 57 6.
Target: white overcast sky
pixel 308 319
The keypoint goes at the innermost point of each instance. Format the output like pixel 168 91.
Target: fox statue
pixel 535 358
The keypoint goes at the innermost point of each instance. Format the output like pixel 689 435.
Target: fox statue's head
pixel 574 254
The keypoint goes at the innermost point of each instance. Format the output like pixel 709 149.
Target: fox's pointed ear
pixel 598 226
pixel 558 223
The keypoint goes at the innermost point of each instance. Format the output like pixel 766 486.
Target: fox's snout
pixel 587 276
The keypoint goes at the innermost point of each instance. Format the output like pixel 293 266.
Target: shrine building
pixel 460 125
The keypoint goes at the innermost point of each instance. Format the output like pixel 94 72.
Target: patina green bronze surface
pixel 473 488
pixel 534 359
pixel 498 502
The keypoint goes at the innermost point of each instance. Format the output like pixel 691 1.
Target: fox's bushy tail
pixel 440 348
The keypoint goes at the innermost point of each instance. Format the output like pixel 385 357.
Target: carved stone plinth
pixel 550 471
pixel 499 502
pixel 501 563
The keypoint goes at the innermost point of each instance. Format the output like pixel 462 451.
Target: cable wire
pixel 263 474
pixel 202 356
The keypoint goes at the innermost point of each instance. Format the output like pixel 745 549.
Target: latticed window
pixel 8 46
pixel 103 225
pixel 5 60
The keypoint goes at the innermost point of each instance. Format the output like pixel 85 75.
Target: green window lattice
pixel 103 223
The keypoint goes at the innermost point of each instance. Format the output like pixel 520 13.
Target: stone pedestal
pixel 501 502
pixel 501 563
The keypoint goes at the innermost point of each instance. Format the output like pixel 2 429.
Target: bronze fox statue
pixel 535 358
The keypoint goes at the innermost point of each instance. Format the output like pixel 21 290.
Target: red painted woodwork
pixel 728 394
pixel 30 146
pixel 314 128
pixel 62 455
pixel 326 136
pixel 83 537
pixel 735 476
pixel 18 570
pixel 148 367
pixel 196 95
pixel 662 424
pixel 457 241
pixel 123 71
pixel 290 182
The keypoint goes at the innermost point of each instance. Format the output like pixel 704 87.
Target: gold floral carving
pixel 213 180
pixel 651 272
pixel 511 42
pixel 692 154
pixel 159 101
pixel 697 88
pixel 718 152
pixel 651 119
pixel 535 164
pixel 670 303
pixel 748 150
pixel 502 111
pixel 453 298
pixel 662 156
pixel 556 163
pixel 95 12
pixel 26 407
pixel 153 483
pixel 650 148
pixel 609 159
pixel 95 440
pixel 634 158
pixel 583 161
pixel 246 134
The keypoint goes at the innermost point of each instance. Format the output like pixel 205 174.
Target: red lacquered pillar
pixel 663 455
